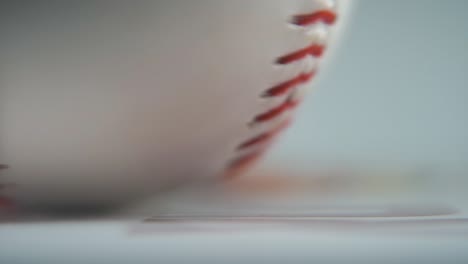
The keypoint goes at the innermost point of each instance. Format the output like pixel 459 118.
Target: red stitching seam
pixel 241 163
pixel 315 50
pixel 264 137
pixel 288 87
pixel 274 112
pixel 326 16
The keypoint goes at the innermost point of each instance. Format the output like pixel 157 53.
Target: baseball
pixel 105 102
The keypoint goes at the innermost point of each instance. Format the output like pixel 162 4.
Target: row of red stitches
pixel 327 17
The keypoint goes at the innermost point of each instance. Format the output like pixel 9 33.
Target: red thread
pixel 284 87
pixel 326 16
pixel 244 160
pixel 264 137
pixel 315 50
pixel 270 114
pixel 242 163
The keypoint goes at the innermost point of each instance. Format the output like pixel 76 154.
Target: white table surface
pixel 349 221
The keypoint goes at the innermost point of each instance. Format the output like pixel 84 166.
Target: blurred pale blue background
pixel 395 93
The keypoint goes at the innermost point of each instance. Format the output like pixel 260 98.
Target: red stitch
pixel 240 164
pixel 264 137
pixel 315 50
pixel 326 16
pixel 284 87
pixel 270 114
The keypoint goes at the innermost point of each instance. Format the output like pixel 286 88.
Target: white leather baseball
pixel 103 102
